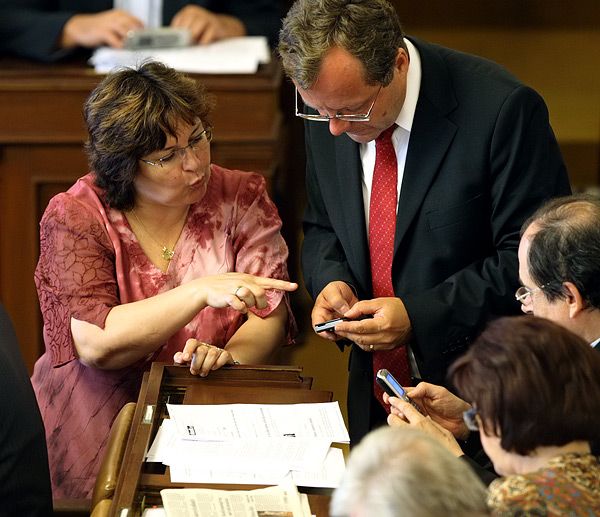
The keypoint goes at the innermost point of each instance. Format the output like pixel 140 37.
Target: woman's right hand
pixel 239 290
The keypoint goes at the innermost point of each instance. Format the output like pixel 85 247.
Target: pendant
pixel 167 253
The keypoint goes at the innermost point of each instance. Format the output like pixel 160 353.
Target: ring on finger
pixel 235 293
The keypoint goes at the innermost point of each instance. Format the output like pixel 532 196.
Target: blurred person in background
pixel 404 473
pixel 47 30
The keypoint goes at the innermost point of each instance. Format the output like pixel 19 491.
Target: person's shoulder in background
pixel 24 473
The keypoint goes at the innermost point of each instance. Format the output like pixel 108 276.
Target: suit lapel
pixel 430 138
pixel 349 177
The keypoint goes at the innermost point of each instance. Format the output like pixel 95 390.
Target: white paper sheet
pixel 250 421
pixel 229 56
pixel 271 501
pixel 324 475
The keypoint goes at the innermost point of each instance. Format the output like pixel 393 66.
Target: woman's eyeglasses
pixel 470 419
pixel 198 143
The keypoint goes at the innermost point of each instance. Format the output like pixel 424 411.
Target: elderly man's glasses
pixel 470 419
pixel 524 293
pixel 199 142
pixel 348 117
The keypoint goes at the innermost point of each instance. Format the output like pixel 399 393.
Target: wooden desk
pixel 139 483
pixel 41 137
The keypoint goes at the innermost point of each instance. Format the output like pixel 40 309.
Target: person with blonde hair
pixel 403 472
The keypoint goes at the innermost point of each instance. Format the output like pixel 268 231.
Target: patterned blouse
pixel 568 486
pixel 91 261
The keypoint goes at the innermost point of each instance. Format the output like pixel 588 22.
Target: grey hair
pixel 400 471
pixel 368 29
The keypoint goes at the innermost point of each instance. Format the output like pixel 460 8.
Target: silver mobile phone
pixel 393 388
pixel 330 324
pixel 160 37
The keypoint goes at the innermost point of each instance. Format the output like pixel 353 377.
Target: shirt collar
pixel 413 85
pixel 595 343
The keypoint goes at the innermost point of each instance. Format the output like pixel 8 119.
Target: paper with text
pixel 250 421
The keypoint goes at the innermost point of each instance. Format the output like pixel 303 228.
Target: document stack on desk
pixel 257 444
pixel 230 56
pixel 275 501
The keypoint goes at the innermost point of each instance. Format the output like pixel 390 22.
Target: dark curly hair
pixel 129 115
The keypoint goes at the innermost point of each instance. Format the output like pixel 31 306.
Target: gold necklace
pixel 167 253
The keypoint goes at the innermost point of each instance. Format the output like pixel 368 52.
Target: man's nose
pixel 337 126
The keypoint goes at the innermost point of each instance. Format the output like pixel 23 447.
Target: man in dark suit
pixel 24 473
pixel 475 156
pixel 49 30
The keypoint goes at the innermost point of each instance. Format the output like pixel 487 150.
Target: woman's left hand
pixel 203 358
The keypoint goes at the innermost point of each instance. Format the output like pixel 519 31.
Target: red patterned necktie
pixel 382 227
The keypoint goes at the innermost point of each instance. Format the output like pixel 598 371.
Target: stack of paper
pixel 265 444
pixel 279 501
pixel 229 56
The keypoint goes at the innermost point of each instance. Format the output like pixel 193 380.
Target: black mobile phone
pixel 330 324
pixel 393 388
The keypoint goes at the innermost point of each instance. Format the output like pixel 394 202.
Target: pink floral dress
pixel 90 261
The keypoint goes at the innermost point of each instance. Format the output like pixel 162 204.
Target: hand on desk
pixel 389 328
pixel 104 28
pixel 202 357
pixel 206 26
pixel 404 414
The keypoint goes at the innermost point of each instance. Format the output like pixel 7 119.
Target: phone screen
pixel 395 384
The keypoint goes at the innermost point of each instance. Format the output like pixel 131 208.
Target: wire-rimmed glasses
pixel 176 155
pixel 523 292
pixel 348 117
pixel 470 420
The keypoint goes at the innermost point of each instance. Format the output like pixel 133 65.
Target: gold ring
pixel 371 347
pixel 235 293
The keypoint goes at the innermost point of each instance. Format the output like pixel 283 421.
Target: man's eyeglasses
pixel 470 420
pixel 199 142
pixel 348 117
pixel 523 292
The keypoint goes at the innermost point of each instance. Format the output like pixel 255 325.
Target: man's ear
pixel 402 60
pixel 573 299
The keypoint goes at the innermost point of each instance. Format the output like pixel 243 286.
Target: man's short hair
pixel 401 471
pixel 533 382
pixel 368 29
pixel 566 247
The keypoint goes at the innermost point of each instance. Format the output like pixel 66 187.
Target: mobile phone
pixel 393 388
pixel 160 37
pixel 330 324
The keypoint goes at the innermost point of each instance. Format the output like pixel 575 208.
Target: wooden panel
pixel 140 483
pixel 41 137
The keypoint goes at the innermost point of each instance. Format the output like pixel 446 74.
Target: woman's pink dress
pixel 90 261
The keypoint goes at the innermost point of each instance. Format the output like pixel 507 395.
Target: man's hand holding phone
pixel 333 301
pixel 389 328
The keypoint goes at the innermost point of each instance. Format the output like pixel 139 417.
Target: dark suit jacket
pixel 24 474
pixel 31 28
pixel 481 158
